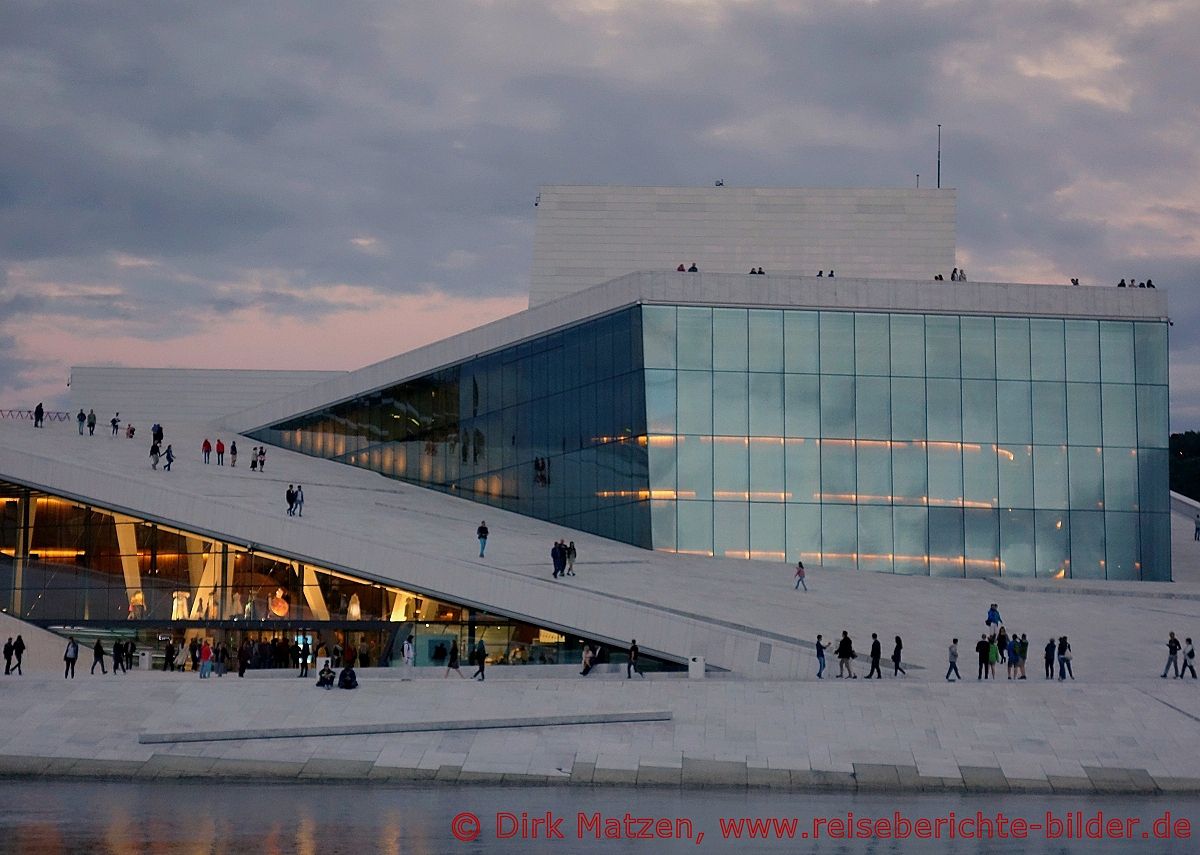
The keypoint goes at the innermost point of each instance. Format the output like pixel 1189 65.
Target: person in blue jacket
pixel 993 616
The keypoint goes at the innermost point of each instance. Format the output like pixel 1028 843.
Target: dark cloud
pixel 162 160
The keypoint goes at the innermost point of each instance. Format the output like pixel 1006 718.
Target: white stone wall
pixel 587 235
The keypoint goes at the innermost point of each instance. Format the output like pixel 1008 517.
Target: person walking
pixel 206 449
pixel 39 413
pixel 1173 648
pixel 154 455
pixel 821 648
pixel 569 555
pixel 1195 534
pixel 70 657
pixel 1189 659
pixel 897 655
pixel 262 458
pixel 170 457
pixel 556 558
pixel 480 660
pixel 91 422
pixel 952 655
pixel 206 654
pixel 1051 647
pixel 98 657
pixel 452 661
pixel 118 657
pixel 981 650
pixel 81 418
pixel 8 655
pixel 233 454
pixel 299 501
pixel 846 655
pixel 482 534
pixel 290 495
pixel 800 576
pixel 588 658
pixel 115 421
pixel 993 655
pixel 409 652
pixel 1022 654
pixel 1064 659
pixel 243 657
pixel 220 452
pixel 19 652
pixel 169 656
pixel 631 664
pixel 876 655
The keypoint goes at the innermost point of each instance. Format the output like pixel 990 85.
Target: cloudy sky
pixel 271 185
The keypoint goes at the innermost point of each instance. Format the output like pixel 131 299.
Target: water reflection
pixel 190 818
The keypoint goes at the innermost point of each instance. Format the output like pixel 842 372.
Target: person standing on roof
pixel 482 534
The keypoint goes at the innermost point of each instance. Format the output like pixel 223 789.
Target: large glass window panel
pixel 766 340
pixel 730 403
pixel 908 345
pixel 1014 411
pixel 1050 476
pixel 731 530
pixel 980 480
pixel 803 476
pixel 1083 351
pixel 1116 352
pixel 662 524
pixel 767 470
pixel 1016 543
pixel 1087 545
pixel 1083 413
pixel 837 343
pixel 946 550
pixel 979 410
pixel 945 474
pixel 1119 406
pixel 944 409
pixel 695 527
pixel 803 532
pixel 1150 342
pixel 660 401
pixel 731 470
pixel 910 473
pixel 837 406
pixel 661 464
pixel 1015 463
pixel 766 404
pixel 873 407
pixel 874 473
pixel 942 346
pixel 1086 473
pixel 839 535
pixel 875 539
pixel 1153 428
pixel 730 346
pixel 1121 547
pixel 871 345
pixel 695 470
pixel 1120 479
pixel 838 476
pixel 802 404
pixel 1047 349
pixel 1012 348
pixel 908 408
pixel 982 537
pixel 1153 494
pixel 1049 413
pixel 801 342
pixel 767 532
pixel 1154 534
pixel 1052 544
pixel 695 390
pixel 910 527
pixel 695 333
pixel 978 348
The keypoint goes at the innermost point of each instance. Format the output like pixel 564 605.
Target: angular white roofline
pixel 718 289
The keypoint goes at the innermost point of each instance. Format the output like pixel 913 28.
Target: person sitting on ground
pixel 938 278
pixel 820 274
pixel 325 676
pixel 347 679
pixel 693 268
pixel 753 272
pixel 1149 283
pixel 1141 284
pixel 681 268
pixel 831 273
pixel 1121 284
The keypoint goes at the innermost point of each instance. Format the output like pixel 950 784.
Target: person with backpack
pixel 1189 659
pixel 800 575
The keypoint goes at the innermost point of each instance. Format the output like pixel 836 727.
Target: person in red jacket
pixel 206 448
pixel 220 452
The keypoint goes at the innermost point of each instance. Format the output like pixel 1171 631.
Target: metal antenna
pixel 939 172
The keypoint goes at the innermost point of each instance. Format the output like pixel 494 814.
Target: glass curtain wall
pixel 552 428
pixel 922 444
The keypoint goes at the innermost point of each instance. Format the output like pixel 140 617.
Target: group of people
pixel 1149 283
pixel 13 650
pixel 1174 648
pixel 692 269
pixel 758 272
pixel 122 656
pixel 156 450
pixel 845 654
pixel 562 555
pixel 295 500
pixel 956 275
pixel 345 680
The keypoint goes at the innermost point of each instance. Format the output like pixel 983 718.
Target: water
pixel 189 818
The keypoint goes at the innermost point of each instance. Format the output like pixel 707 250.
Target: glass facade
pixel 68 564
pixel 553 428
pixel 922 444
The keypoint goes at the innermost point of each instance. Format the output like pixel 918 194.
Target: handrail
pixel 48 415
